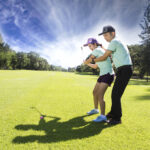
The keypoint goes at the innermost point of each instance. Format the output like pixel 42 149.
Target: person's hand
pixel 85 62
pixel 90 60
pixel 102 47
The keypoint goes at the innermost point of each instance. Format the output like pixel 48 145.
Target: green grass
pixel 65 98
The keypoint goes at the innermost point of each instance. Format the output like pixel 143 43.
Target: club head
pixel 41 117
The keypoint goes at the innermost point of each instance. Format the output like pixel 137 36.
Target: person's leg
pixel 95 95
pixel 102 89
pixel 100 93
pixel 122 79
pixel 95 98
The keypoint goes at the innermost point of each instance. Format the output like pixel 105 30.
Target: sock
pixel 96 109
pixel 103 116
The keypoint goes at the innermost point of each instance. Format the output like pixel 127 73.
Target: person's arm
pixel 111 48
pixel 89 60
pixel 104 57
pixel 94 66
pixel 104 48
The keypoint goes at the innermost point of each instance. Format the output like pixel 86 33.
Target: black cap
pixel 107 29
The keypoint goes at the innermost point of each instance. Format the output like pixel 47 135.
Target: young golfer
pixel 105 79
pixel 122 61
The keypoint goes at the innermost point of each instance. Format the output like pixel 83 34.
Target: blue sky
pixel 56 29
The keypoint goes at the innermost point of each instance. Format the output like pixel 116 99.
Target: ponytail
pixel 99 44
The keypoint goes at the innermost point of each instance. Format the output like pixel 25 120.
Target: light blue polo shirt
pixel 105 66
pixel 120 53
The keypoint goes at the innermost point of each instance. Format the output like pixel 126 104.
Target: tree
pixel 34 60
pixel 1 39
pixel 22 60
pixel 145 36
pixel 136 52
pixel 14 60
pixel 73 69
pixel 5 56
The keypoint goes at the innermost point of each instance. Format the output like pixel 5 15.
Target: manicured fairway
pixel 65 98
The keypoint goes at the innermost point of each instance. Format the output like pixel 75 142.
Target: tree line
pixel 12 60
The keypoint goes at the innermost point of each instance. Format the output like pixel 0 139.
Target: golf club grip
pixel 89 57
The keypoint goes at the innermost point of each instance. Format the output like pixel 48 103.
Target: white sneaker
pixel 93 111
pixel 100 119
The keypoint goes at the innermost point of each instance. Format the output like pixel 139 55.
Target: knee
pixel 101 99
pixel 114 93
pixel 115 96
pixel 94 92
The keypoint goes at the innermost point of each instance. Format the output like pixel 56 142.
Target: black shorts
pixel 107 78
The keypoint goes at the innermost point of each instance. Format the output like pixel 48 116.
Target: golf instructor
pixel 122 61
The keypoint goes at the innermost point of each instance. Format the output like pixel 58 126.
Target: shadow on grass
pixel 138 82
pixel 85 73
pixel 144 97
pixel 148 90
pixel 55 131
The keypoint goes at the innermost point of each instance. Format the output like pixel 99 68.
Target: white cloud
pixel 62 22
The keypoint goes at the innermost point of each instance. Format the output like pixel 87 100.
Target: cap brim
pixel 85 45
pixel 102 33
